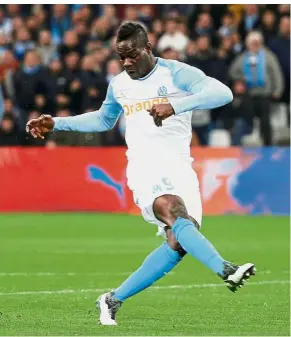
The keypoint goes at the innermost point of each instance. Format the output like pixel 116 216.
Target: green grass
pixel 99 251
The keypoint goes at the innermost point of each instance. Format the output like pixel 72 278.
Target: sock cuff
pixel 179 224
pixel 174 255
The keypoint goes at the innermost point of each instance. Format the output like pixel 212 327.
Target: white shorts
pixel 148 183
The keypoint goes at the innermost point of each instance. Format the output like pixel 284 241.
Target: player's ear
pixel 148 48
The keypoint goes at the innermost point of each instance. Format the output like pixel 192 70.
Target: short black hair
pixel 132 30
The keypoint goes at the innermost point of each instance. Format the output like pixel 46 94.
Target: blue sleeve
pixel 1 105
pixel 204 92
pixel 97 121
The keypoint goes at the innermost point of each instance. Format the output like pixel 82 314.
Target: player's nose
pixel 127 63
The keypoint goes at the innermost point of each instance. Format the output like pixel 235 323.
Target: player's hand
pixel 37 127
pixel 161 112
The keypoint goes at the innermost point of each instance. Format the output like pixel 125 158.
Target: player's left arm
pixel 204 93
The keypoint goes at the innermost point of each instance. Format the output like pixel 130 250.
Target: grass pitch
pixel 54 266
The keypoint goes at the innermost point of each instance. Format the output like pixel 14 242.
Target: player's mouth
pixel 132 73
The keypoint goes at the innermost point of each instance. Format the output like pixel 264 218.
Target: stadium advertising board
pixel 233 180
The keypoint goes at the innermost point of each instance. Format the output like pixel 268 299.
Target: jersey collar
pixel 150 73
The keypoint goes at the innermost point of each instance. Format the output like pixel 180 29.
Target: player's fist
pixel 161 112
pixel 37 127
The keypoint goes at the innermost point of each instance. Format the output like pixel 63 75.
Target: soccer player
pixel 157 97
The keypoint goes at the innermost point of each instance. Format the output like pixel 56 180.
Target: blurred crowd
pixel 58 59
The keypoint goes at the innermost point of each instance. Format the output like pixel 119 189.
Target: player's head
pixel 134 49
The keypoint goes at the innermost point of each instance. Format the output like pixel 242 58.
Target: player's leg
pixel 156 265
pixel 171 210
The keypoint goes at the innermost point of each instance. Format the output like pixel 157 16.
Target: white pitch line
pixel 125 273
pixel 174 286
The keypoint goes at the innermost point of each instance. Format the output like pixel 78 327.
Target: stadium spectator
pixel 260 69
pixel 227 25
pixel 268 26
pixel 153 41
pixel 99 59
pixel 203 56
pixel 204 25
pixel 71 44
pixel 170 54
pixel 10 135
pixel 146 15
pixel 87 14
pixel 113 68
pixel 226 46
pixel 3 44
pixel 237 45
pixel 32 25
pixel 220 64
pixel 9 108
pixel 158 28
pixel 82 30
pixel 237 117
pixel 45 48
pixel 13 10
pixel 18 23
pixel 94 85
pixel 5 24
pixel 73 77
pixel 102 29
pixel 8 66
pixel 284 9
pixel 57 84
pixel 281 47
pixel 60 22
pixel 42 19
pixel 23 43
pixel 131 13
pixel 250 20
pixel 172 38
pixel 29 81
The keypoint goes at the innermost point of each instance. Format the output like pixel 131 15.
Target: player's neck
pixel 152 63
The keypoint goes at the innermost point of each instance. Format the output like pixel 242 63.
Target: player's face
pixel 135 60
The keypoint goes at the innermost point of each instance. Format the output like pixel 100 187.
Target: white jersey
pixel 143 138
pixel 186 88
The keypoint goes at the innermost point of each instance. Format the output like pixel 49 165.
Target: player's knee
pixel 173 243
pixel 168 208
pixel 177 247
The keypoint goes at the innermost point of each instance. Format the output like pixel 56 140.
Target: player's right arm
pixel 96 121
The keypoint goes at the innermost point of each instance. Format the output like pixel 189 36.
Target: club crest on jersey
pixel 162 91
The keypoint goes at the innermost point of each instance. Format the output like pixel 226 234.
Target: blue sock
pixel 156 265
pixel 194 243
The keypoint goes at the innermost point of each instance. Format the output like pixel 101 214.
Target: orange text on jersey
pixel 144 105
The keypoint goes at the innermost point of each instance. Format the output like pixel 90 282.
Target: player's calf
pixel 173 243
pixel 171 210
